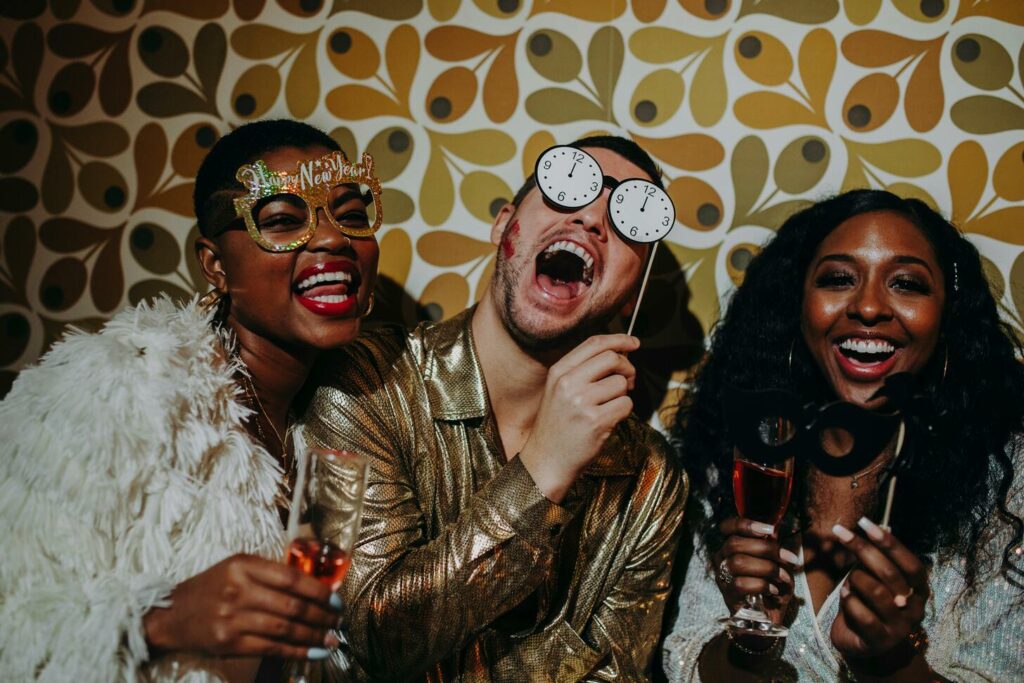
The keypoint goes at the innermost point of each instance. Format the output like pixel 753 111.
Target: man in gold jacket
pixel 520 522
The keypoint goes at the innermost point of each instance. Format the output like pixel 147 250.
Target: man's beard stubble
pixel 505 283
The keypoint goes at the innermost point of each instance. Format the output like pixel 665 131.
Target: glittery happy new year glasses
pixel 280 209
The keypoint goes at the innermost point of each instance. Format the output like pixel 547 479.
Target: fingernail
pixel 773 589
pixel 315 653
pixel 842 533
pixel 789 556
pixel 784 575
pixel 331 641
pixel 844 590
pixel 762 528
pixel 873 531
pixel 335 602
pixel 900 601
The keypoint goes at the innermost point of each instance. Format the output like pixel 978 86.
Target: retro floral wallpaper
pixel 752 108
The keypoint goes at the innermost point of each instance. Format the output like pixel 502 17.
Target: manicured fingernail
pixel 331 641
pixel 789 556
pixel 773 589
pixel 762 528
pixel 315 653
pixel 784 575
pixel 842 533
pixel 900 601
pixel 844 590
pixel 335 602
pixel 873 531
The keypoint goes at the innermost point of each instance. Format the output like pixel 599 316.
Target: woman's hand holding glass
pixel 246 605
pixel 883 599
pixel 752 562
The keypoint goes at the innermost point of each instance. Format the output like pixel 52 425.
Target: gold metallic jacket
pixel 464 570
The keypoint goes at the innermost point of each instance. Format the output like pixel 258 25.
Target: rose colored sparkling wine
pixel 762 493
pixel 320 560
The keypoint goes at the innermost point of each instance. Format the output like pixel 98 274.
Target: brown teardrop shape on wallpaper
pixel 554 55
pixel 256 91
pixel 451 94
pixel 353 53
pixel 14 335
pixel 871 102
pixel 737 260
pixel 103 186
pixel 18 139
pixel 657 97
pixel 763 58
pixel 191 147
pixel 63 284
pixel 982 62
pixel 154 248
pixel 801 164
pixel 71 89
pixel 163 51
pixel 391 150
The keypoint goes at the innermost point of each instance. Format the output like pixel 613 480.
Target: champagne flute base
pixel 748 622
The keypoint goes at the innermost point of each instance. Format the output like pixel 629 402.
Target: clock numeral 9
pixel 593 186
pixel 632 231
pixel 665 221
pixel 547 165
pixel 561 196
pixel 619 198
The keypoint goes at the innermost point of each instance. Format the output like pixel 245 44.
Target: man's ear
pixel 500 222
pixel 208 255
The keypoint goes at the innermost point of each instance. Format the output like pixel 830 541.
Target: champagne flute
pixel 761 488
pixel 323 524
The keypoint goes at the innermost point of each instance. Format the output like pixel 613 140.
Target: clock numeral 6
pixel 632 231
pixel 561 196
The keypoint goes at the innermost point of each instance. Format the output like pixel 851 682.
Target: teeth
pixel 572 248
pixel 867 346
pixel 335 276
pixel 330 298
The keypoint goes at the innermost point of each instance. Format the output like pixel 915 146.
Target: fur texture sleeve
pixel 123 471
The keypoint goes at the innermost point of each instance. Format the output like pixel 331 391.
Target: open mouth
pixel 328 288
pixel 565 269
pixel 866 351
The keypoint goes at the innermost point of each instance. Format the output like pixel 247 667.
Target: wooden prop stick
pixel 643 287
pixel 892 480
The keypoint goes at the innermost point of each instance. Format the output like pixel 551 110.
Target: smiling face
pixel 562 275
pixel 873 300
pixel 309 298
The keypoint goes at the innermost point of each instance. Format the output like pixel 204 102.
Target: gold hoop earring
pixel 211 300
pixel 945 362
pixel 369 306
pixel 790 362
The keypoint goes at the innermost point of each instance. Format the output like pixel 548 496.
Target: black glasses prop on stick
pixel 639 210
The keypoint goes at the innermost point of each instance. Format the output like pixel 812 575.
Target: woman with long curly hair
pixel 850 291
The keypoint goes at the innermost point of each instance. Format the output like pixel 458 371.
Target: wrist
pixel 550 477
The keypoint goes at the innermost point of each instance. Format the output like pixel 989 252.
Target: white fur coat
pixel 124 469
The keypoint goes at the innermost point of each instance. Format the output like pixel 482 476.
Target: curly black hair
pixel 968 467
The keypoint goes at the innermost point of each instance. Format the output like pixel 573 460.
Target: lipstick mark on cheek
pixel 508 246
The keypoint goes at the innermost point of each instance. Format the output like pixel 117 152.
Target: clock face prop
pixel 571 178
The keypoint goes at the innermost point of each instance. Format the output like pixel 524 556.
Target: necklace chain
pixel 258 404
pixel 855 479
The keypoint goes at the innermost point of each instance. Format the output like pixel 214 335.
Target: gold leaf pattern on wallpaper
pixel 109 107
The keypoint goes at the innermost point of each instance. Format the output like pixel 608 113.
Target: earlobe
pixel 208 255
pixel 500 222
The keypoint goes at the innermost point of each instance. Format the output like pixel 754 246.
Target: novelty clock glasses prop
pixel 639 210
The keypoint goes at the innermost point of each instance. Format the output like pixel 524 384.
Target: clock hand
pixel 572 169
pixel 645 203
